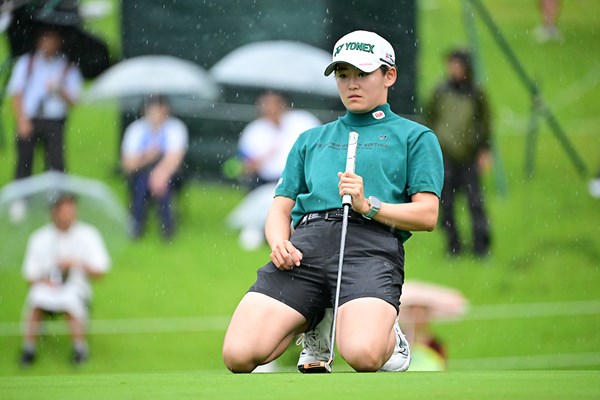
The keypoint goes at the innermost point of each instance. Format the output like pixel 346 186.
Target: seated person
pixel 152 152
pixel 60 259
pixel 265 142
pixel 264 146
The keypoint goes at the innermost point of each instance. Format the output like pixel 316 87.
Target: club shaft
pixel 350 161
pixel 346 203
pixel 339 279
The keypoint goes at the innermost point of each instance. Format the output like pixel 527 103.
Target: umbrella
pixel 251 214
pixel 24 207
pixel 267 65
pixel 441 302
pixel 88 52
pixel 187 85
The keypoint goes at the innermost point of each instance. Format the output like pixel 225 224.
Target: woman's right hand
pixel 285 256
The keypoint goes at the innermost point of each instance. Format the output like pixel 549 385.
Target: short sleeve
pixel 132 139
pixel 74 82
pixel 425 165
pixel 96 255
pixel 252 140
pixel 36 259
pixel 293 180
pixel 16 84
pixel 177 136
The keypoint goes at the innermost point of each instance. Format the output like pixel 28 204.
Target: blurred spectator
pixel 548 30
pixel 152 154
pixel 459 115
pixel 427 350
pixel 594 186
pixel 264 146
pixel 421 304
pixel 60 259
pixel 43 86
pixel 265 142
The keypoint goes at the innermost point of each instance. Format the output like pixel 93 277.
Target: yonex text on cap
pixel 365 50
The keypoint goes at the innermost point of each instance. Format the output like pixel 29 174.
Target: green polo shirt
pixel 396 158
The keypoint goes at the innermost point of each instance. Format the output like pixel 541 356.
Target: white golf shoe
pixel 400 359
pixel 316 344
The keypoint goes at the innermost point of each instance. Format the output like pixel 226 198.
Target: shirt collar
pixel 376 115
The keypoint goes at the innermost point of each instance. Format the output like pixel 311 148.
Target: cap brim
pixel 368 69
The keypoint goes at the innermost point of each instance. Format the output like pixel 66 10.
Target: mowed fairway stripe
pixel 534 361
pixel 219 323
pixel 129 326
pixel 530 385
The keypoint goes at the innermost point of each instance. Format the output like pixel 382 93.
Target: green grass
pixel 532 385
pixel 546 250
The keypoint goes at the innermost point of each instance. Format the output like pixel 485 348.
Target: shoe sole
pixel 319 367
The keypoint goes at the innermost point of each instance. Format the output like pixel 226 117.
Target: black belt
pixel 333 215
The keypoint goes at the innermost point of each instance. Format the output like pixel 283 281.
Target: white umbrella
pixel 24 207
pixel 188 86
pixel 279 64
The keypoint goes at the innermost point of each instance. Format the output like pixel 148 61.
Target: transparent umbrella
pixel 441 302
pixel 188 86
pixel 267 65
pixel 24 207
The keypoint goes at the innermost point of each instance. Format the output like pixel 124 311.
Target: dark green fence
pixel 206 31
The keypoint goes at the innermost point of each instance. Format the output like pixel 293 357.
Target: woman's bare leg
pixel 260 330
pixel 365 336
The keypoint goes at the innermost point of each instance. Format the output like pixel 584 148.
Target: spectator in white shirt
pixel 152 154
pixel 265 142
pixel 43 86
pixel 264 146
pixel 60 259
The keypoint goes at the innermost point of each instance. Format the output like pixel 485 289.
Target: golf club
pixel 325 366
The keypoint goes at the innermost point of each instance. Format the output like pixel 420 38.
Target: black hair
pixel 464 57
pixel 273 92
pixel 58 197
pixel 156 99
pixel 153 100
pixel 44 29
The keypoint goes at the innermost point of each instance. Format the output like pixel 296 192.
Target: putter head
pixel 319 367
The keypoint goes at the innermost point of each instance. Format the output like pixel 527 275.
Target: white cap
pixel 365 50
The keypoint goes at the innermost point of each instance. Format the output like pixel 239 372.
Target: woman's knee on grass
pixel 364 356
pixel 364 333
pixel 238 357
pixel 259 331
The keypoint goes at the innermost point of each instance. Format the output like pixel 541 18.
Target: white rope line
pixel 219 323
pixel 541 361
pixel 128 326
pixel 532 310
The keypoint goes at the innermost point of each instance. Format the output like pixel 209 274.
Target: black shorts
pixel 373 267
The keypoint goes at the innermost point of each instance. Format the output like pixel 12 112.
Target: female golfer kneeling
pixel 395 189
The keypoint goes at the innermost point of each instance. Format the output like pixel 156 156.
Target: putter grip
pixel 350 160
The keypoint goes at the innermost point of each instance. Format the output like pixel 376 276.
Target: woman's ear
pixel 390 77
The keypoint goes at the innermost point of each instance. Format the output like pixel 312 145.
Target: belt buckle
pixel 309 217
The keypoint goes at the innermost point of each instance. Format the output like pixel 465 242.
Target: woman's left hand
pixel 352 184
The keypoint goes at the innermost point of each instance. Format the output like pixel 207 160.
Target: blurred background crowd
pixel 148 136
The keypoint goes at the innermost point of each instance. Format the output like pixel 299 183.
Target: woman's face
pixel 360 91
